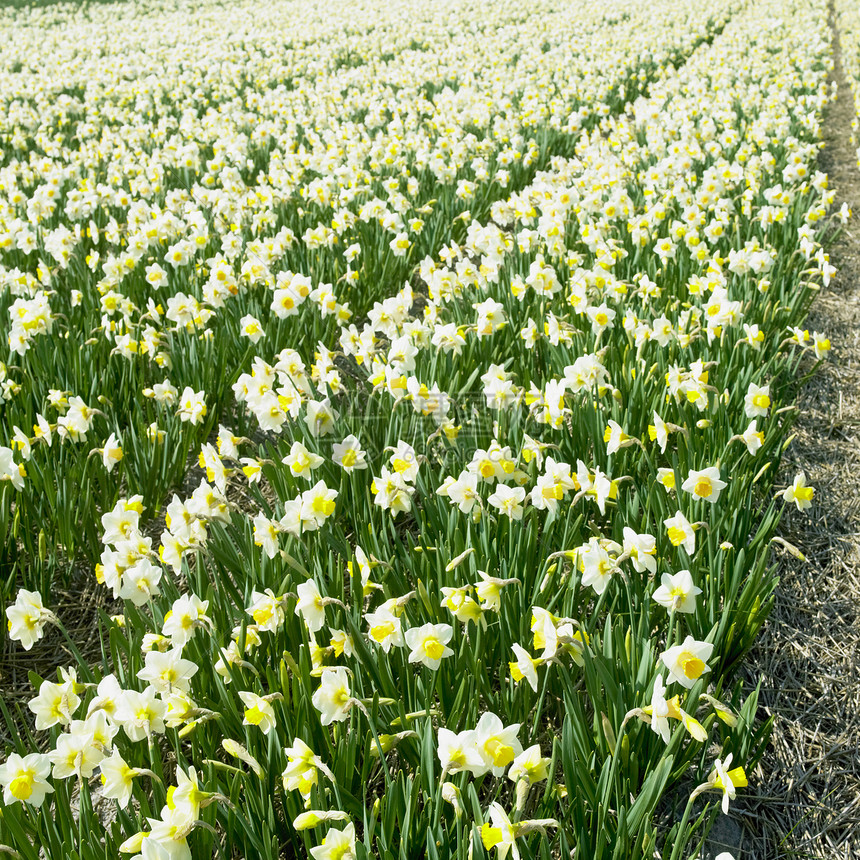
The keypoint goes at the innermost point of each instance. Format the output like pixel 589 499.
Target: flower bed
pixel 481 330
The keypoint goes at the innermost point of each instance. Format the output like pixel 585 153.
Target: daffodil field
pixel 413 380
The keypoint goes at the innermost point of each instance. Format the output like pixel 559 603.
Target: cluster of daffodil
pixel 320 164
pixel 417 380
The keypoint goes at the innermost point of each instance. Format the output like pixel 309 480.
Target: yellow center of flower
pixel 323 506
pixel 349 458
pixel 490 836
pixel 691 664
pixel 144 714
pixel 457 758
pixel 382 631
pixel 703 488
pixel 554 492
pixel 433 648
pixel 762 401
pixel 676 536
pixel 22 786
pixel 500 753
pixel 737 776
pixel 262 615
pixel 254 716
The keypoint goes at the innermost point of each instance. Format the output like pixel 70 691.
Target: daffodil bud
pixel 451 794
pixel 313 817
pixel 133 844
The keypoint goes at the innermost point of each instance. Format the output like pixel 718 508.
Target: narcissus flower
pixel 258 712
pixel 333 698
pixel 117 779
pixel 385 626
pixel 687 662
pixel 681 532
pixel 266 534
pixel 489 590
pixel 168 671
pixel 659 432
pixel 76 753
pixel 429 644
pixel 641 549
pixel 337 845
pixel 187 614
pixel 111 453
pixel 752 437
pixel 311 605
pixel 192 406
pixel 661 710
pixel 529 766
pixel 251 328
pixel 757 401
pixel 615 438
pixel 25 779
pixel 725 780
pixel 141 714
pixel 524 666
pixel 820 345
pixel 462 491
pixel 54 705
pixel 501 833
pixel 300 773
pixel 462 605
pixel 491 317
pixel 667 478
pixel 677 592
pixel 301 461
pixel 508 500
pixel 320 417
pixel 318 504
pixel 799 492
pixel 235 749
pixel 496 743
pixel 349 455
pixel 598 562
pixel 457 752
pixel 10 470
pixel 315 817
pixel 27 618
pixel 266 610
pixel 705 484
